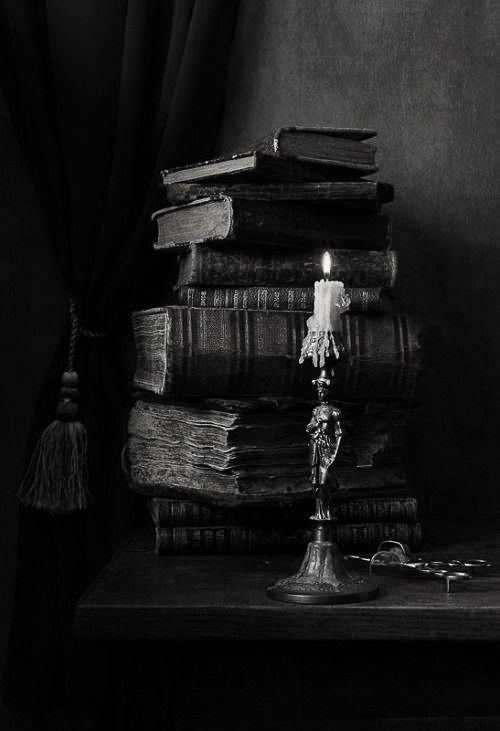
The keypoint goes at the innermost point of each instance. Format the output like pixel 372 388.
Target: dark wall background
pixel 424 73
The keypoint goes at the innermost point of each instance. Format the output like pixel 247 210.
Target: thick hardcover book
pixel 293 153
pixel 256 166
pixel 210 352
pixel 244 539
pixel 372 300
pixel 273 484
pixel 231 453
pixel 246 266
pixel 366 195
pixel 283 223
pixel 172 432
pixel 167 513
pixel 377 510
pixel 280 485
pixel 203 428
pixel 330 146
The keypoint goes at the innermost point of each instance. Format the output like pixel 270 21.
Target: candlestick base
pixel 322 577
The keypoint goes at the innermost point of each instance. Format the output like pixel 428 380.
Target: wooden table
pixel 415 652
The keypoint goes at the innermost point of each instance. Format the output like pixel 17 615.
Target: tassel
pixel 57 475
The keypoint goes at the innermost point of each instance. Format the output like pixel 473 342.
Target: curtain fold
pixel 102 96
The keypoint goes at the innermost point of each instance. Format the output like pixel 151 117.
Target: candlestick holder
pixel 322 577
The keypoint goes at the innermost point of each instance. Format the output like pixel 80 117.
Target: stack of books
pixel 217 433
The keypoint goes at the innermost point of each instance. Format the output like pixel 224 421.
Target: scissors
pixel 395 557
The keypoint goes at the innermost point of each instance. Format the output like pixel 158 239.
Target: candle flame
pixel 327 264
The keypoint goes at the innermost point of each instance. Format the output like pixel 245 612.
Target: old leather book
pixel 217 265
pixel 265 222
pixel 365 195
pixel 372 300
pixel 217 434
pixel 329 146
pixel 168 512
pixel 184 351
pixel 290 153
pixel 247 266
pixel 150 476
pixel 280 539
pixel 234 452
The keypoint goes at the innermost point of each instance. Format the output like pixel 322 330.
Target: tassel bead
pixel 70 378
pixel 70 394
pixel 67 409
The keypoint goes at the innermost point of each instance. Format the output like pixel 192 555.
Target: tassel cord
pixel 76 330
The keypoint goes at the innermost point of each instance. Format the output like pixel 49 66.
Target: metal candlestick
pixel 322 577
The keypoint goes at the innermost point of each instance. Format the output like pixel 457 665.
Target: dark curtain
pixel 102 95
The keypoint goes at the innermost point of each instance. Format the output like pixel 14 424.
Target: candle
pixel 330 301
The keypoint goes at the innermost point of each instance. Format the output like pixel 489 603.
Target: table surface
pixel 143 596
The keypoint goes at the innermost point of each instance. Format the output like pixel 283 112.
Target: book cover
pixel 265 222
pixel 169 513
pixel 371 300
pixel 183 351
pixel 365 195
pixel 267 159
pixel 243 539
pixel 147 475
pixel 228 458
pixel 329 146
pixel 246 266
pixel 175 432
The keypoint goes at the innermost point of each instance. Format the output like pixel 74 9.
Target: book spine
pixel 377 510
pixel 368 536
pixel 371 300
pixel 304 223
pixel 272 146
pixel 180 513
pixel 365 194
pixel 226 539
pixel 247 540
pixel 210 352
pixel 264 222
pixel 248 267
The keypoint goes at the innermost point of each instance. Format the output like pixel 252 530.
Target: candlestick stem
pixel 322 577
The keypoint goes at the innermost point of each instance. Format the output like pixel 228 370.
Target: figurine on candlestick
pixel 325 435
pixel 322 577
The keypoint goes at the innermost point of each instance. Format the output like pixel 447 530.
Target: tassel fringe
pixel 57 475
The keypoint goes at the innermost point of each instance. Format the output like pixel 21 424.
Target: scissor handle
pixel 401 550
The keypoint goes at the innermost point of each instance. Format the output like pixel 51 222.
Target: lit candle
pixel 330 301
